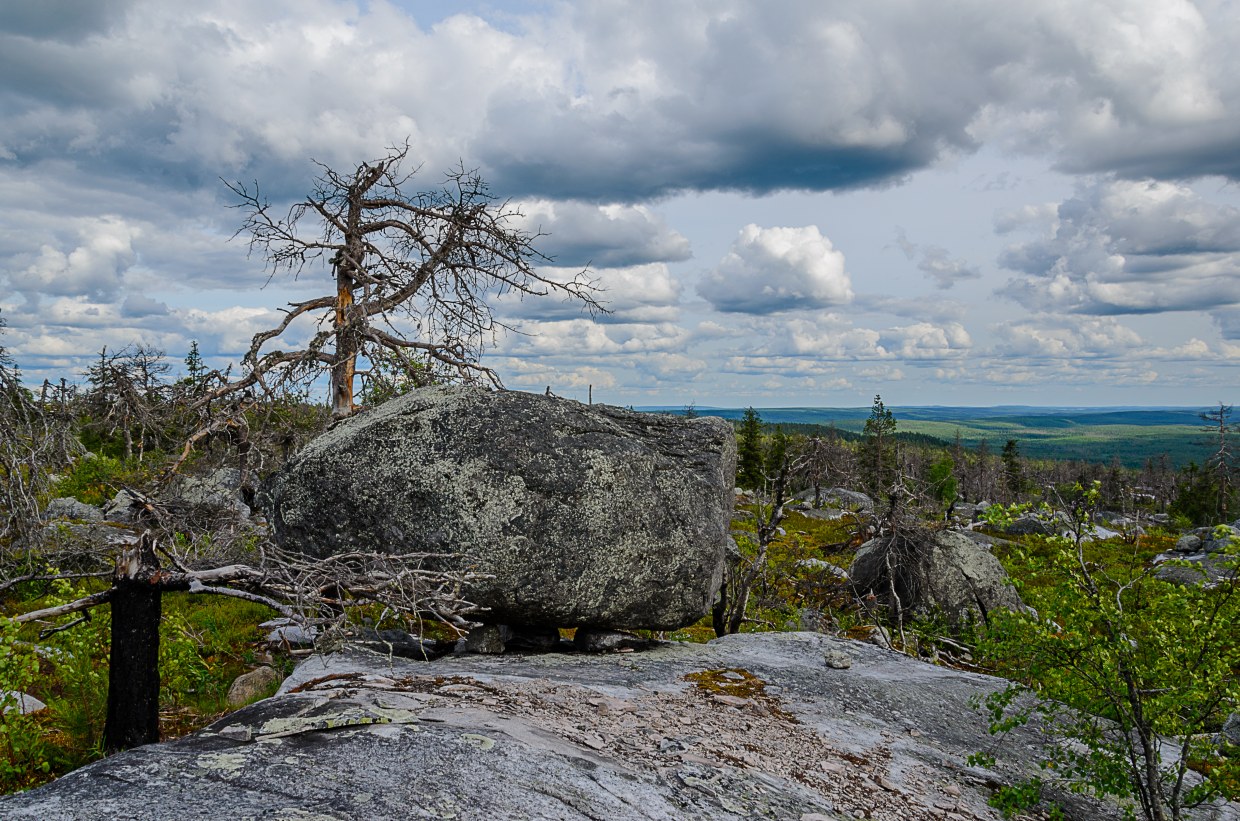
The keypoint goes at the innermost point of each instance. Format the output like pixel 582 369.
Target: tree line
pixel 939 473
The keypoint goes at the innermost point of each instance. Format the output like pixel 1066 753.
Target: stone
pixel 1230 734
pixel 399 643
pixel 123 507
pixel 1203 550
pixel 288 633
pixel 839 497
pixel 1188 543
pixel 573 515
pixel 219 490
pixel 24 703
pixel 956 577
pixel 1029 525
pixel 66 508
pixel 489 639
pixel 838 660
pixel 252 685
pixel 594 640
pixel 360 736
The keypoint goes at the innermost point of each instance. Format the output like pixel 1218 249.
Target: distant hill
pixel 1131 433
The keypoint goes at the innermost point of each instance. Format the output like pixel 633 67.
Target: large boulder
pixel 582 515
pixel 944 573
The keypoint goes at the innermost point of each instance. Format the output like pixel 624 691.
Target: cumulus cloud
pixel 778 269
pixel 936 263
pixel 94 266
pixel 602 236
pixel 1053 337
pixel 1128 247
pixel 927 341
pixel 640 293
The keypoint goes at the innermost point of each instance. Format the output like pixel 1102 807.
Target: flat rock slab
pixel 749 726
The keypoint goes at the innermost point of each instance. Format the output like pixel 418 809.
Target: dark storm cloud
pixel 62 20
pixel 578 234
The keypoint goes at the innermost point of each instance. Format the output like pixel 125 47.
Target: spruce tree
pixel 749 460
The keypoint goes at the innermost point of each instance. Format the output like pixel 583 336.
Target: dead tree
pixel 742 572
pixel 318 594
pixel 36 440
pixel 413 272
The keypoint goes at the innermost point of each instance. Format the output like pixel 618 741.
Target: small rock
pixel 489 639
pixel 290 634
pixel 838 660
pixel 733 701
pixel 596 640
pixel 952 790
pixel 815 816
pixel 539 639
pixel 252 685
pixel 23 703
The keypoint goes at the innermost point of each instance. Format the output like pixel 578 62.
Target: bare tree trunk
pixel 133 676
pixel 346 345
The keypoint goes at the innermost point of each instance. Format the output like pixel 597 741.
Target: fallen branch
pixel 85 603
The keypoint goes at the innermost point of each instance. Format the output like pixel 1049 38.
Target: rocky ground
pixel 782 726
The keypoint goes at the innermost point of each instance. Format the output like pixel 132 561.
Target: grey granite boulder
pixel 1206 554
pixel 955 576
pixel 66 508
pixel 581 515
pixel 252 685
pixel 221 490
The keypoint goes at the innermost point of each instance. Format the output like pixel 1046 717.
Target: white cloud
pixel 778 269
pixel 1055 337
pixel 927 341
pixel 935 262
pixel 94 267
pixel 1125 247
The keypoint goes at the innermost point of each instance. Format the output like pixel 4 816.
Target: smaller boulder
pixel 252 685
pixel 24 703
pixel 220 490
pixel 487 639
pixel 1229 736
pixel 289 633
pixel 944 572
pixel 66 508
pixel 597 640
pixel 1031 526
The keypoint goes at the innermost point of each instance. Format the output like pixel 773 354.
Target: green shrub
pixel 96 479
pixel 23 750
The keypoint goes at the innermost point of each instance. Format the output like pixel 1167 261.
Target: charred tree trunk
pixel 133 677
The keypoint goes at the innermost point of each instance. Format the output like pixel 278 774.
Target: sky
pixel 786 203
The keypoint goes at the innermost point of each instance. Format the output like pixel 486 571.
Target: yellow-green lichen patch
pixel 345 717
pixel 227 765
pixel 482 742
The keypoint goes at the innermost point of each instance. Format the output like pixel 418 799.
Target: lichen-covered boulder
pixel 584 515
pixel 945 573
